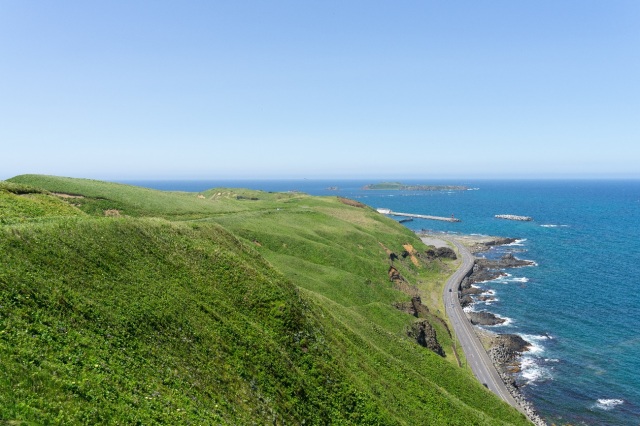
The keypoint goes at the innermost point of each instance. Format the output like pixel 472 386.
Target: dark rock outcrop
pixel 440 252
pixel 466 300
pixel 425 335
pixel 506 261
pixel 506 348
pixel 490 269
pixel 480 275
pixel 413 307
pixel 484 318
pixel 471 290
pixel 480 246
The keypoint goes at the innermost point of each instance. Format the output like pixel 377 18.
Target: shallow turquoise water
pixel 580 306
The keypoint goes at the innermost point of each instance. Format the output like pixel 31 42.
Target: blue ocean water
pixel 579 307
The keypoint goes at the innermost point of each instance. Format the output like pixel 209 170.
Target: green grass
pixel 21 203
pixel 149 321
pixel 98 197
pixel 242 307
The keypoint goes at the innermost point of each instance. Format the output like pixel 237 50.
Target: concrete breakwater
pixel 418 216
pixel 514 217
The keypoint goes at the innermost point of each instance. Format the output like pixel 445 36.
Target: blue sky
pixel 320 89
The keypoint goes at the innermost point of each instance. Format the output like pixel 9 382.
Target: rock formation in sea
pixel 484 318
pixel 506 261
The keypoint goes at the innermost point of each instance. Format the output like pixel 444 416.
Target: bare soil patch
pixel 63 195
pixel 412 253
pixel 351 203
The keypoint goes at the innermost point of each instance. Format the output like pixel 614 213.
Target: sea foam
pixel 507 321
pixel 516 243
pixel 532 372
pixel 535 347
pixel 608 404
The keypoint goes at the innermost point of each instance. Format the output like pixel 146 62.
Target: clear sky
pixel 320 89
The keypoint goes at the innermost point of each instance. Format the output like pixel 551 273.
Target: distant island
pixel 402 187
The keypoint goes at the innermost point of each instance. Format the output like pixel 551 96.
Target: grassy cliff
pixel 128 305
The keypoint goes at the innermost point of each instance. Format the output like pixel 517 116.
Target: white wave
pixel 551 360
pixel 473 189
pixel 516 243
pixel 533 372
pixel 536 337
pixel 507 321
pixel 549 226
pixel 534 346
pixel 608 404
pixel 502 278
pixel 505 279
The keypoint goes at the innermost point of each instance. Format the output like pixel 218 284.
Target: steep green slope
pixel 125 321
pixel 206 327
pixel 336 253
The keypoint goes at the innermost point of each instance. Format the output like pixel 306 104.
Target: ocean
pixel 579 306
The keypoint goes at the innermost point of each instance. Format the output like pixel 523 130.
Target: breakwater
pixel 419 216
pixel 514 217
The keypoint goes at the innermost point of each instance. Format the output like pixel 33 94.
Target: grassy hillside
pixel 106 198
pixel 19 203
pixel 230 306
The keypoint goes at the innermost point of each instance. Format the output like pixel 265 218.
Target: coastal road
pixel 477 357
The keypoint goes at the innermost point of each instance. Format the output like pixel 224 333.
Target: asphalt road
pixel 477 357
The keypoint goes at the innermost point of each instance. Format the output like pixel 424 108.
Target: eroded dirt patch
pixel 412 253
pixel 63 195
pixel 351 203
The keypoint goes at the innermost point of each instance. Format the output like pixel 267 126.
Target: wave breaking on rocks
pixel 504 350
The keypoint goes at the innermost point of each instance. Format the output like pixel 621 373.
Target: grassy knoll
pixel 226 307
pixel 19 203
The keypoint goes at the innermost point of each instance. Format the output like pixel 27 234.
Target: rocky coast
pixel 505 350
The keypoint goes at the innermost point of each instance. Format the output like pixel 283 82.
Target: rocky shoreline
pixel 504 350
